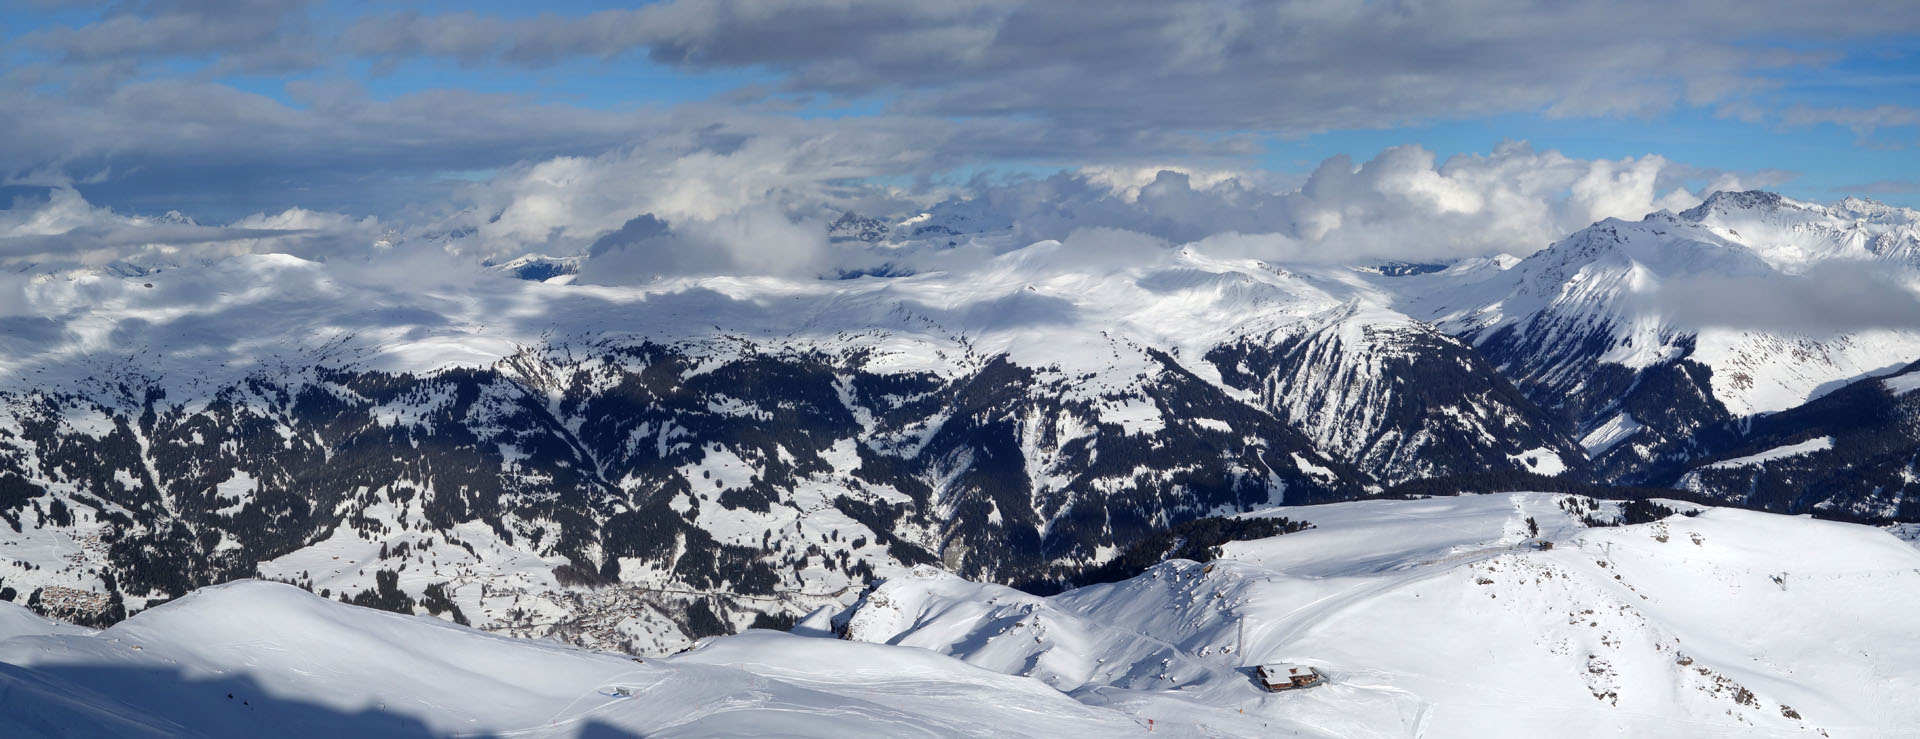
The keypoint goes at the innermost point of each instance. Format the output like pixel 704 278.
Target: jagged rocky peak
pixel 1875 210
pixel 851 226
pixel 1724 201
pixel 1848 210
pixel 1396 396
pixel 1794 236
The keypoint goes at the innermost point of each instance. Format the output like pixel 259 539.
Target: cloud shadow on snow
pixel 72 700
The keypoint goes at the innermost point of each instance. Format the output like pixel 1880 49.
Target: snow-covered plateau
pixel 1472 616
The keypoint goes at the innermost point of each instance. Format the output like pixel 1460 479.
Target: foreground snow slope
pixel 1434 618
pixel 296 664
pixel 1431 618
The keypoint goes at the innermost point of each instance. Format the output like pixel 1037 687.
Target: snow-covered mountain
pixel 1597 329
pixel 539 267
pixel 636 467
pixel 1448 617
pixel 1395 396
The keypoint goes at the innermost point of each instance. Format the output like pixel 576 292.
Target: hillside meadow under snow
pixel 1439 617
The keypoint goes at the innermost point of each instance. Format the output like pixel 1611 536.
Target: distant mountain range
pixel 637 467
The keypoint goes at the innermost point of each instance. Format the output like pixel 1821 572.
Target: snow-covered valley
pixel 1492 615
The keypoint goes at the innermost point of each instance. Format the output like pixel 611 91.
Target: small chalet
pixel 1280 676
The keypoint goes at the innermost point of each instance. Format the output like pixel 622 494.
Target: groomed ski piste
pixel 1442 617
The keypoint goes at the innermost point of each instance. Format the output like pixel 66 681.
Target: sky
pixel 498 129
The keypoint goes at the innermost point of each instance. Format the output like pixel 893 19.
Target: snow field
pixel 1439 618
pixel 1436 618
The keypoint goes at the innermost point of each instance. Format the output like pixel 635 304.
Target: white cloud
pixel 1219 66
pixel 563 205
pixel 1128 181
pixel 755 240
pixel 1402 204
pixel 63 230
pixel 757 203
pixel 1827 299
pixel 1863 121
pixel 139 94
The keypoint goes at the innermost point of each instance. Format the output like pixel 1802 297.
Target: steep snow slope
pixel 1435 618
pixel 1395 396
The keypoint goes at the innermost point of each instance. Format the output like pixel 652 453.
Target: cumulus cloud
pixel 1128 181
pixel 63 230
pixel 566 204
pixel 805 169
pixel 1402 204
pixel 756 240
pixel 759 202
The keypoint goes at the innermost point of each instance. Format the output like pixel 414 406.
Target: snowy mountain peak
pixel 1723 202
pixel 1794 236
pixel 851 226
pixel 1875 210
pixel 175 217
pixel 537 267
pixel 1668 325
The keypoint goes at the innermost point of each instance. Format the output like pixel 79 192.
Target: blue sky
pixel 222 108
